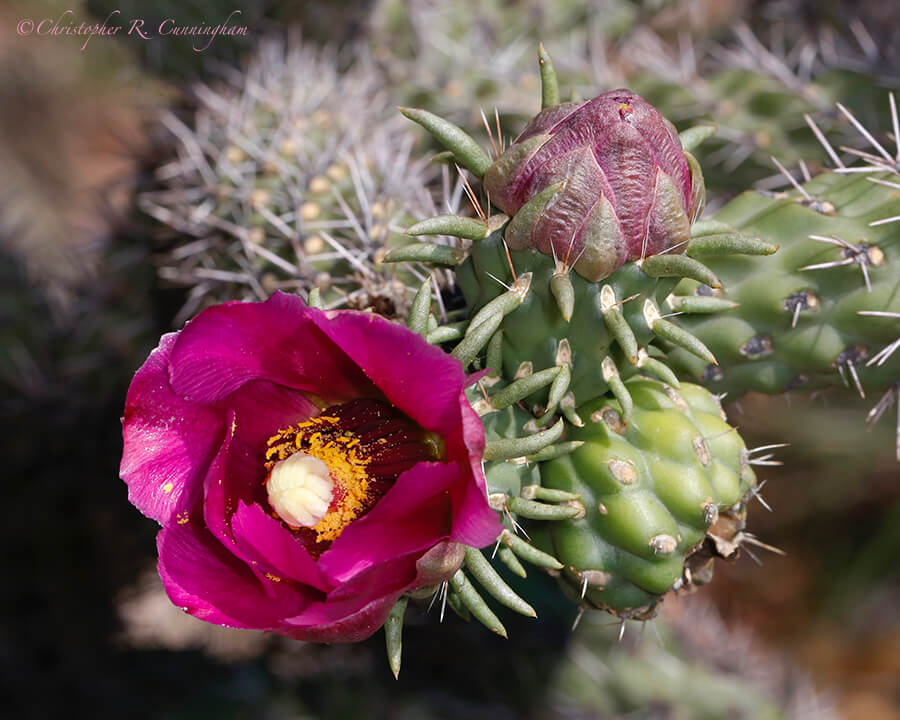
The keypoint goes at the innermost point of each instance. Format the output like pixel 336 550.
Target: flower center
pixel 331 469
pixel 300 490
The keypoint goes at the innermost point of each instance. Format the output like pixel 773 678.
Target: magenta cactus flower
pixel 307 467
pixel 597 183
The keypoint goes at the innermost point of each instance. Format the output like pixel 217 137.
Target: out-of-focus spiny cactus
pixel 748 82
pixel 824 311
pixel 758 95
pixel 696 668
pixel 293 175
pixel 456 58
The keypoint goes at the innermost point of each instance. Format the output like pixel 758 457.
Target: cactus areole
pixel 597 183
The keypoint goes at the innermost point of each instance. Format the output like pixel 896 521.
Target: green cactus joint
pixel 797 325
pixel 652 490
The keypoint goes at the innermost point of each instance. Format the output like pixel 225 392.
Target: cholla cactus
pixel 561 317
pixel 662 495
pixel 560 343
pixel 823 312
pixel 293 176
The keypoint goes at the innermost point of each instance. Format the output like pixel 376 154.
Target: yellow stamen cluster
pixel 322 438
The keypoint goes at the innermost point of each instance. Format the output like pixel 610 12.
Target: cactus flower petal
pixel 244 387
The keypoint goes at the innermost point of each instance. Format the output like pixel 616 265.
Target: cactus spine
pixel 823 312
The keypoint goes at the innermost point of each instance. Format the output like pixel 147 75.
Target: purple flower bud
pixel 597 184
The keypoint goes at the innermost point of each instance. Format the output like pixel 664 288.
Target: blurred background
pixel 138 183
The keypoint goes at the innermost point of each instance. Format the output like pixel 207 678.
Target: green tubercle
pixel 693 137
pixel 393 634
pixel 549 83
pixel 455 225
pixel 467 152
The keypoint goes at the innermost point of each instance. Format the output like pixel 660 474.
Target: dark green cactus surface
pixel 652 489
pixel 533 331
pixel 502 476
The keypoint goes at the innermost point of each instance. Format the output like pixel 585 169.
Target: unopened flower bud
pixel 597 184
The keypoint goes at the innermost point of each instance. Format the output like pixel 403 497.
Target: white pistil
pixel 300 490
